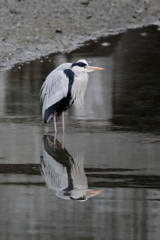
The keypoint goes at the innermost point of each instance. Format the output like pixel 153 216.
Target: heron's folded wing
pixel 54 173
pixel 55 89
pixel 51 78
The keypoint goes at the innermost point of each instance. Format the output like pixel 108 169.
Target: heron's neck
pixel 78 89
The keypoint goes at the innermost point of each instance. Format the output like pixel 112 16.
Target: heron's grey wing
pixel 55 174
pixel 55 89
pixel 50 77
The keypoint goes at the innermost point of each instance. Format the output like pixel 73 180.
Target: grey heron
pixel 64 86
pixel 64 174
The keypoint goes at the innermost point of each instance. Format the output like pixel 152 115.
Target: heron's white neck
pixel 78 174
pixel 79 88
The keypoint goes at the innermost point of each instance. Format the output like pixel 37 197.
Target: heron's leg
pixel 63 147
pixel 63 121
pixel 54 142
pixel 54 120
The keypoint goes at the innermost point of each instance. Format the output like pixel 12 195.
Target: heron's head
pixel 83 195
pixel 82 66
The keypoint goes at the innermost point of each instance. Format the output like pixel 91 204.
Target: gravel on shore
pixel 31 29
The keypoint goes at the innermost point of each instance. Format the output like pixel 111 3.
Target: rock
pixel 89 16
pixel 105 44
pixel 85 2
pixel 58 30
pixel 143 34
pixel 14 11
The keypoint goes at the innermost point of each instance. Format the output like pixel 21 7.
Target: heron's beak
pixel 92 193
pixel 91 69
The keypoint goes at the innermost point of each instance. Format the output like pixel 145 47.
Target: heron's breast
pixel 79 85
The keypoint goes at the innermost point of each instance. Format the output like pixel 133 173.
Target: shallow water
pixel 114 147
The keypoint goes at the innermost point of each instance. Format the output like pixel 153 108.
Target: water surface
pixel 115 144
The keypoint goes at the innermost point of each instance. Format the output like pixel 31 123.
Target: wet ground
pixel 113 147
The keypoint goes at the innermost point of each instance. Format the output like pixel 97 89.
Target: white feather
pixel 83 60
pixel 79 88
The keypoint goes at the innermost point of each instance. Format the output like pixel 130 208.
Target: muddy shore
pixel 31 29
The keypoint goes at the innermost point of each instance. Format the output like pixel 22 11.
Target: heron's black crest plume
pixel 80 64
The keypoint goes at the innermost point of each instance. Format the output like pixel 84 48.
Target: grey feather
pixel 55 87
pixel 54 173
pixel 50 78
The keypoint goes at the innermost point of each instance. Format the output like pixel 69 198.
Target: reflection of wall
pixel 34 212
pixel 22 90
pixel 136 77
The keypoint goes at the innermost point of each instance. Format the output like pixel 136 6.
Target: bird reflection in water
pixel 64 174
